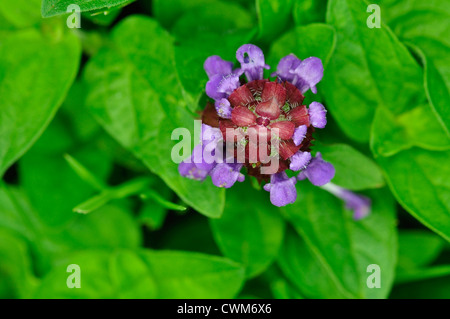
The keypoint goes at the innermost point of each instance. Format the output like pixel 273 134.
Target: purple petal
pixel 285 67
pixel 216 65
pixel 282 189
pixel 300 160
pixel 252 61
pixel 308 74
pixel 318 171
pixel 190 170
pixel 299 134
pixel 317 115
pixel 361 205
pixel 229 83
pixel 212 87
pixel 223 108
pixel 226 174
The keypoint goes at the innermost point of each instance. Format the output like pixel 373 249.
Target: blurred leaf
pixel 436 288
pixel 152 215
pixel 369 68
pixel 354 170
pixel 21 13
pixel 273 17
pixel 424 273
pixel 15 267
pixel 30 102
pixel 160 200
pixel 52 185
pixel 416 127
pixel 419 180
pixel 120 274
pixel 193 275
pixel 309 11
pixel 140 112
pixel 418 249
pixel 103 17
pixel 55 7
pixel 331 258
pixel 167 12
pixel 250 230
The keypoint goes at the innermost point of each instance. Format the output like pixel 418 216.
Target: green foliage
pixel 86 122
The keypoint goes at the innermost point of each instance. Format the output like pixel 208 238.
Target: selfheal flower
pixel 226 174
pixel 359 204
pixel 252 61
pixel 282 189
pixel 215 65
pixel 268 121
pixel 318 171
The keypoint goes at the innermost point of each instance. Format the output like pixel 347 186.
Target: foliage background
pixel 85 122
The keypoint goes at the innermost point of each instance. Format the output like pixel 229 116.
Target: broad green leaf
pixel 273 17
pixel 30 102
pixel 418 249
pixel 15 267
pixel 417 127
pixel 331 258
pixel 308 11
pixel 369 68
pixel 135 95
pixel 119 274
pixel 192 275
pixel 411 19
pixel 354 170
pixel 250 230
pixel 55 7
pixel 419 180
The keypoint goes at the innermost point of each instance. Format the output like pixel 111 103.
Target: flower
pixel 359 204
pixel 282 189
pixel 318 171
pixel 264 122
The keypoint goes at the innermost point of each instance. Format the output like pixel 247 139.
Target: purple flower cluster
pixel 243 99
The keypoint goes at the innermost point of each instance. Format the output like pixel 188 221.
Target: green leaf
pixel 273 17
pixel 417 127
pixel 21 13
pixel 30 102
pixel 436 288
pixel 437 76
pixel 309 11
pixel 55 7
pixel 369 68
pixel 411 19
pixel 120 274
pixel 331 258
pixel 418 249
pixel 418 179
pixel 140 112
pixel 354 170
pixel 64 189
pixel 167 12
pixel 192 275
pixel 15 267
pixel 250 231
